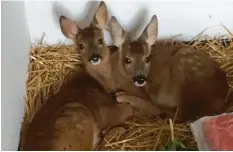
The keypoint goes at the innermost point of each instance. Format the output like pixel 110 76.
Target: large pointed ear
pixel 68 27
pixel 116 32
pixel 101 16
pixel 150 33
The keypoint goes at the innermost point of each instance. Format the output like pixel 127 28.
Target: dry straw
pixel 50 65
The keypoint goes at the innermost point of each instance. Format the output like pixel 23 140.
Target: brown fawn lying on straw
pixel 171 76
pixel 74 117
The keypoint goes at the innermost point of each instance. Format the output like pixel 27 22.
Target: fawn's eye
pixel 100 41
pixel 81 46
pixel 147 59
pixel 127 60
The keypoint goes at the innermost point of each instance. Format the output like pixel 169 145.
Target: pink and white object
pixel 214 133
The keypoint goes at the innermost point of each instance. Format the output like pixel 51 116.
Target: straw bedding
pixel 50 66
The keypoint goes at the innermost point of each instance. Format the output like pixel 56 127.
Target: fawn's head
pixel 135 55
pixel 89 41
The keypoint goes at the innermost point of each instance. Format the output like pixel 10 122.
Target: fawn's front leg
pixel 138 102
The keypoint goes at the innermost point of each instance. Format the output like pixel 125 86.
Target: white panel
pixel 15 49
pixel 187 17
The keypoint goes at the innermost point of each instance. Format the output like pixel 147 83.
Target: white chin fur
pixel 140 85
pixel 96 63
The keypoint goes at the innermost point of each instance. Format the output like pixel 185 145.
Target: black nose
pixel 140 79
pixel 95 58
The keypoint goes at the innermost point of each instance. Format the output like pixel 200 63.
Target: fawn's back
pixel 187 78
pixel 74 117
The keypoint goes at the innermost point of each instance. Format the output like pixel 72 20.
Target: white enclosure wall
pixel 15 48
pixel 186 17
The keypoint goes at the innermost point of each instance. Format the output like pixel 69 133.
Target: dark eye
pixel 147 59
pixel 81 46
pixel 127 61
pixel 100 41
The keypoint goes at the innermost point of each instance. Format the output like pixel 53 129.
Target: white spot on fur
pixel 182 60
pixel 190 60
pixel 194 68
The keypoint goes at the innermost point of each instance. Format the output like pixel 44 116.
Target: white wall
pixel 14 51
pixel 187 17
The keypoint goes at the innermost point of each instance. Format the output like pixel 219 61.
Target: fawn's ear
pixel 101 16
pixel 116 32
pixel 150 33
pixel 68 27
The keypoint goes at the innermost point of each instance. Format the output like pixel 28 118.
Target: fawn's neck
pixel 102 73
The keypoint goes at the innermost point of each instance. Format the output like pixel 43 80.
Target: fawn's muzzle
pixel 139 80
pixel 95 59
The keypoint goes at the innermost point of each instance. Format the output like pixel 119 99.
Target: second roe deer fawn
pixel 172 76
pixel 130 66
